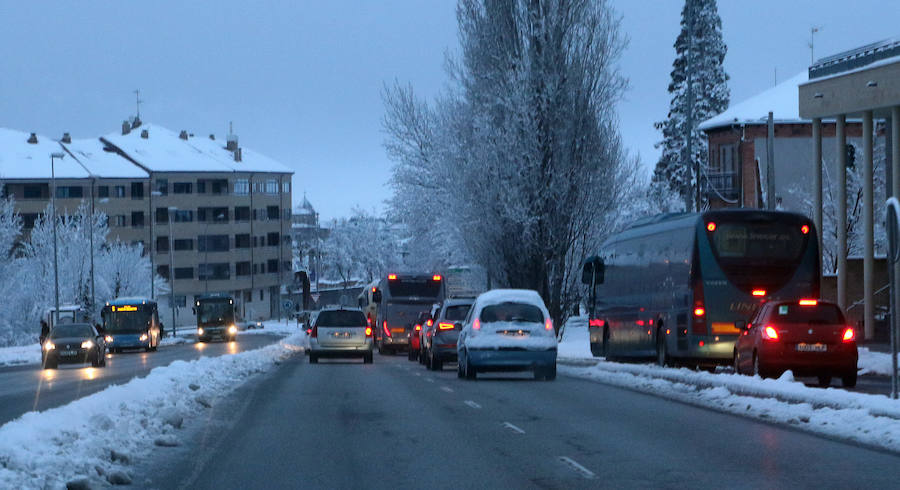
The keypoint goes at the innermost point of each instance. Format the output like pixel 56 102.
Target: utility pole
pixel 812 31
pixel 137 102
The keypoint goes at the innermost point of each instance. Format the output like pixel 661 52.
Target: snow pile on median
pixel 868 419
pixel 22 354
pixel 94 440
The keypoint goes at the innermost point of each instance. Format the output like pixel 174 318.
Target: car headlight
pixel 144 337
pixel 199 331
pixel 49 345
pixel 108 338
pixel 232 329
pixel 87 344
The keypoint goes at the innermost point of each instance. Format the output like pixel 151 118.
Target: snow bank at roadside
pixel 871 362
pixel 868 419
pixel 574 340
pixel 96 438
pixel 22 354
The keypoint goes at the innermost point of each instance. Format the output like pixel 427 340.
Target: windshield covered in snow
pixel 512 312
pixel 217 312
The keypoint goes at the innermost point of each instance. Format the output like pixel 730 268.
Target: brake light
pixel 386 331
pixel 368 331
pixel 445 326
pixel 699 311
pixel 436 277
pixel 418 327
pixel 711 226
pixel 849 335
pixel 392 277
pixel 639 323
pixel 759 292
pixel 804 229
pixel 476 324
pixel 596 322
pixel 369 321
pixel 769 333
pixel 548 324
pixel 315 332
pixel 429 323
pixel 374 288
pixel 808 302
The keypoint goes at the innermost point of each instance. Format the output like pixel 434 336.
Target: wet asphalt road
pixel 28 387
pixel 394 424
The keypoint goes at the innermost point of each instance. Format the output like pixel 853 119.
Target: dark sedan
pixel 73 343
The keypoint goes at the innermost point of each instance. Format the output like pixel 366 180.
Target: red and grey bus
pixel 675 287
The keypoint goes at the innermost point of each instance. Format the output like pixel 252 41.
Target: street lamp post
pixel 172 211
pixel 53 157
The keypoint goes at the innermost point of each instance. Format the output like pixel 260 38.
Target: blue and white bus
pixel 131 323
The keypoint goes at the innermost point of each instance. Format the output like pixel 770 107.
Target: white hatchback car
pixel 338 332
pixel 507 330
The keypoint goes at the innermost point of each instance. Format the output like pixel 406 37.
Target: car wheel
pixel 103 360
pixel 849 380
pixel 411 355
pixel 367 359
pixel 459 368
pixel 95 362
pixel 736 363
pixel 435 363
pixel 48 364
pixel 313 359
pixel 756 369
pixel 545 373
pixel 662 350
pixel 824 381
pixel 471 374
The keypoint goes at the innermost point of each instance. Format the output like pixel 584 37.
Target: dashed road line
pixel 418 374
pixel 472 404
pixel 513 428
pixel 430 380
pixel 574 466
pixel 447 389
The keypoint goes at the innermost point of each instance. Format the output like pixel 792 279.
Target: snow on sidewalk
pixel 96 438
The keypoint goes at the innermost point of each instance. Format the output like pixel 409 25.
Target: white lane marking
pixel 472 404
pixel 430 380
pixel 418 374
pixel 513 428
pixel 447 389
pixel 572 464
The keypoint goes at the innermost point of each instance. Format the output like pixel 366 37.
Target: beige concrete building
pixel 213 217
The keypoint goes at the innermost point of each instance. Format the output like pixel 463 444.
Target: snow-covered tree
pixel 699 89
pixel 362 247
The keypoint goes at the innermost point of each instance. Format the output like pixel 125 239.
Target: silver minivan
pixel 341 332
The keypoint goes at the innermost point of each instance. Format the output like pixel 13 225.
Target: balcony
pixel 724 185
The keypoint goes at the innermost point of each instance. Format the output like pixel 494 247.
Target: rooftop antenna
pixel 137 101
pixel 812 32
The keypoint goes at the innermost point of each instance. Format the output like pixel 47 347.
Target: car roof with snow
pixel 497 296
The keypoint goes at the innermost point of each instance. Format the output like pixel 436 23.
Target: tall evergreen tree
pixel 700 54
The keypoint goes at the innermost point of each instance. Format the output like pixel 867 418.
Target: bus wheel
pixel 662 352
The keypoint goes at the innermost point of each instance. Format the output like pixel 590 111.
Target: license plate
pixel 341 334
pixel 812 347
pixel 517 333
pixel 397 330
pixel 68 353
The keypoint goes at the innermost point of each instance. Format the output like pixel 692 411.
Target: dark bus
pixel 215 317
pixel 399 299
pixel 131 323
pixel 677 287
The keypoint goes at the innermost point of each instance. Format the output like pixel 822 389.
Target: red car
pixel 807 336
pixel 415 336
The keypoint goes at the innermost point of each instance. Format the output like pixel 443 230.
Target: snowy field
pixel 31 354
pixel 872 420
pixel 93 441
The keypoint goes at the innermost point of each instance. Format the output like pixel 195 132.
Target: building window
pixel 215 271
pixel 183 244
pixel 163 271
pixel 69 192
pixel 242 268
pixel 212 243
pixel 272 239
pixel 28 220
pixel 285 187
pixel 120 191
pixel 162 215
pixel 35 191
pixel 272 212
pixel 184 216
pixel 137 219
pixel 103 191
pixel 242 240
pixel 137 190
pixel 162 244
pixel 272 186
pixel 162 186
pixel 184 273
pixel 248 296
pixel 120 220
pixel 215 215
pixel 241 187
pixel 242 213
pixel 272 265
pixel 182 187
pixel 180 301
pixel 260 294
pixel 201 187
pixel 218 186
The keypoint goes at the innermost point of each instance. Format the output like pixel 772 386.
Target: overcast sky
pixel 301 80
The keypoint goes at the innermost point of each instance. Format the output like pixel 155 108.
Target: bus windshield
pixel 127 321
pixel 215 312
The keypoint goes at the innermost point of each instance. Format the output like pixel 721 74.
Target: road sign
pixel 315 297
pixel 287 305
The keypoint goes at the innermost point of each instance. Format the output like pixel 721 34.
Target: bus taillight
pixel 759 292
pixel 711 226
pixel 596 322
pixel 386 331
pixel 804 229
pixel 699 311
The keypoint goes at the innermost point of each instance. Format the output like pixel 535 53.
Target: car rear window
pixel 795 313
pixel 341 319
pixel 512 312
pixel 456 313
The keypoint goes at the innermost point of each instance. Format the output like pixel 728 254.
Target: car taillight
pixel 368 331
pixel 418 327
pixel 476 324
pixel 849 335
pixel 548 324
pixel 699 311
pixel 769 333
pixel 436 277
pixel 392 277
pixel 596 322
pixel 429 323
pixel 315 332
pixel 445 326
pixel 386 331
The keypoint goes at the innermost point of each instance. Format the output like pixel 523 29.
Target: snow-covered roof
pixel 20 159
pixel 102 163
pixel 164 151
pixel 783 100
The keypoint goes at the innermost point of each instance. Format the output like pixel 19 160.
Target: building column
pixel 895 150
pixel 841 246
pixel 868 228
pixel 817 182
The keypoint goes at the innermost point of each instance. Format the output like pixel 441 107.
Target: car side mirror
pixel 457 325
pixel 741 325
pixel 594 268
pixel 193 310
pixel 376 296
